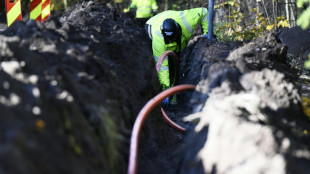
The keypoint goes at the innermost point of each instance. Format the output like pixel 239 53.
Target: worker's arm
pixel 154 6
pixel 204 20
pixel 132 5
pixel 159 48
pixel 196 16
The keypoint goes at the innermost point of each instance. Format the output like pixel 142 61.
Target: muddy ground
pixel 73 85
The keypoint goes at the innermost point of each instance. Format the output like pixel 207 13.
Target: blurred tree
pixel 304 18
pixel 270 9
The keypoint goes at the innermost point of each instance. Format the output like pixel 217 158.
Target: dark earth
pixel 71 88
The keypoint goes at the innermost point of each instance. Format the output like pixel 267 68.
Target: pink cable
pixel 171 123
pixel 150 105
pixel 176 65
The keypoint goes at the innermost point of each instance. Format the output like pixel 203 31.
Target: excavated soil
pixel 73 86
pixel 250 106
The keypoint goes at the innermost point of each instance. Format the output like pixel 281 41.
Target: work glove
pixel 126 10
pixel 165 102
pixel 205 35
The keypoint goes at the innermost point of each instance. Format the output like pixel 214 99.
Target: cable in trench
pixel 133 154
pixel 150 105
pixel 175 80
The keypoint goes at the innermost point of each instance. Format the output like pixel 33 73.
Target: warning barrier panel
pixel 46 9
pixel 13 11
pixel 36 10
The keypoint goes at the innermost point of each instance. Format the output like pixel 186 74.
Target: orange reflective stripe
pixel 35 9
pixel 13 11
pixel 46 9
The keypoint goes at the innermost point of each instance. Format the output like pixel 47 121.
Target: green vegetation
pixel 304 21
pixel 237 29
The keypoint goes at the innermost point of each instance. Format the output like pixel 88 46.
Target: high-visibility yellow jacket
pixel 144 8
pixel 188 20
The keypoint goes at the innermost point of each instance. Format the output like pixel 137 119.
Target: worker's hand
pixel 165 102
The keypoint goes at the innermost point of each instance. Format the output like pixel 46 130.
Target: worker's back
pixel 187 19
pixel 144 8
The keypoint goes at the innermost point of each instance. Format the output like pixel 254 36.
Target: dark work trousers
pixel 172 71
pixel 148 32
pixel 141 21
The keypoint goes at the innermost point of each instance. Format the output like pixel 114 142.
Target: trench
pixel 93 78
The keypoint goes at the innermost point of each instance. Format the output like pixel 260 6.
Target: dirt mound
pixel 71 89
pixel 298 42
pixel 249 106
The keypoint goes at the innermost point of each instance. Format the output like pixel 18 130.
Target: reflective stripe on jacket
pixel 144 7
pixel 188 20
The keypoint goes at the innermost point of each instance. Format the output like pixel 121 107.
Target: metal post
pixel 210 19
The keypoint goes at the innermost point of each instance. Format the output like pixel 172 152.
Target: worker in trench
pixel 145 9
pixel 171 30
